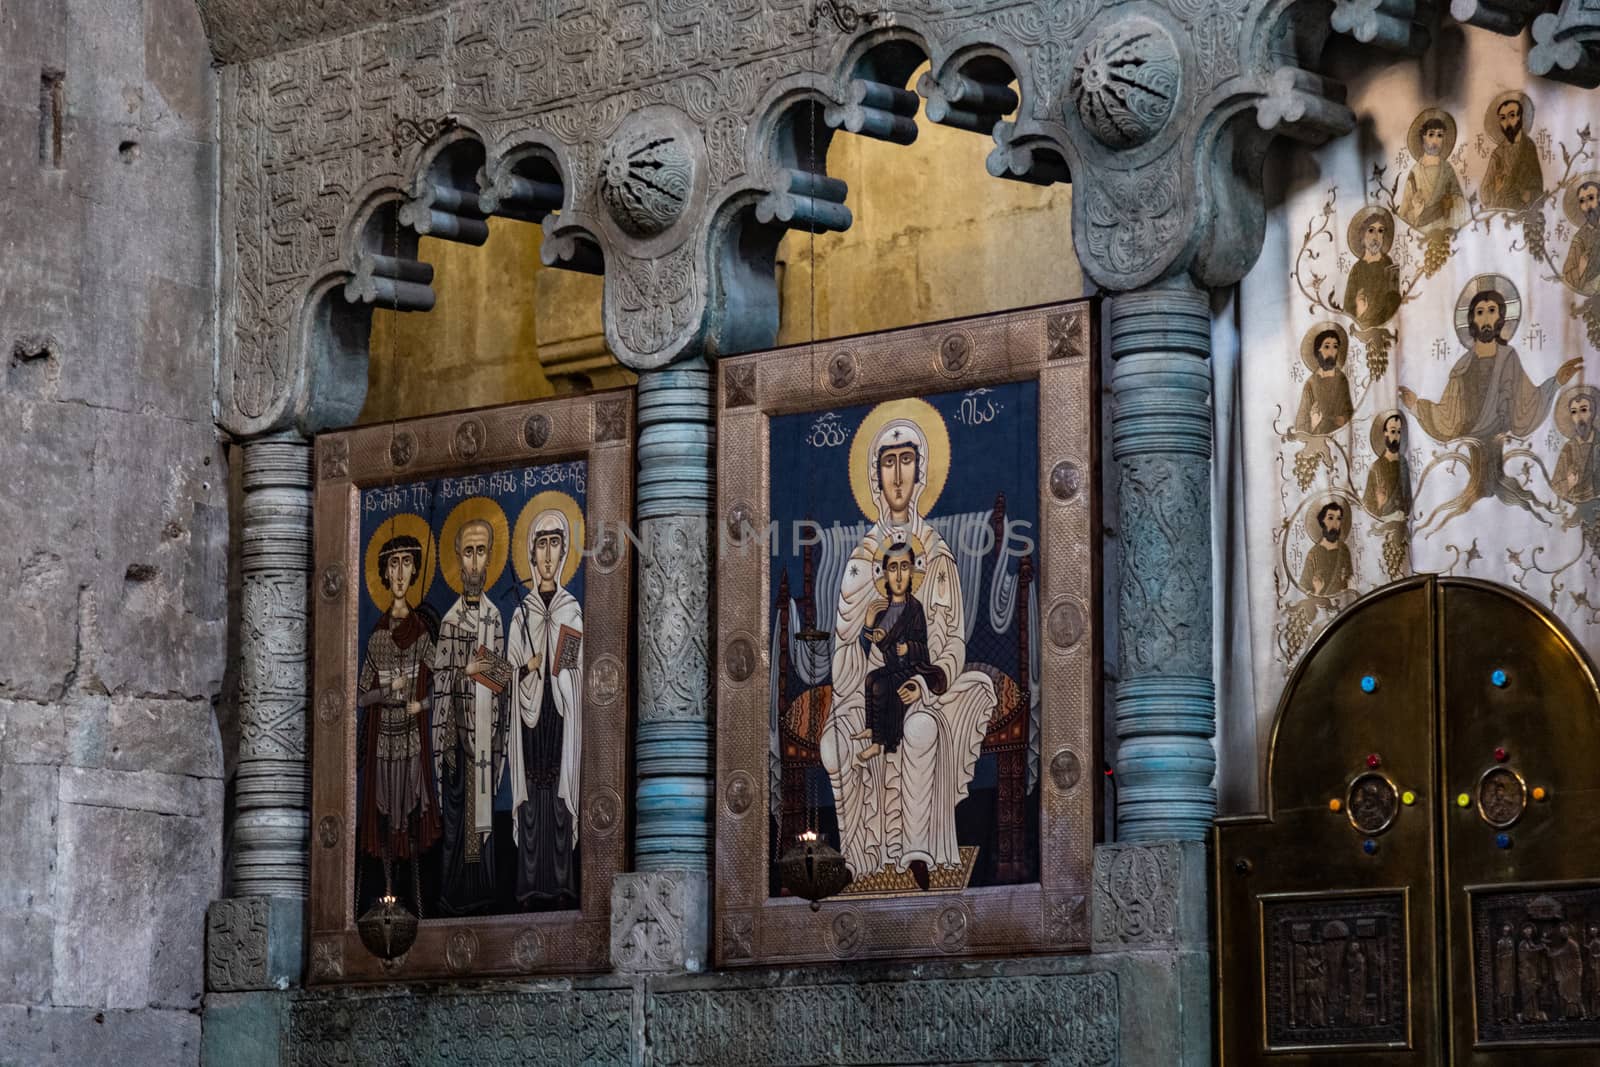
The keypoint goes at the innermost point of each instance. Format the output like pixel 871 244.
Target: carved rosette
pixel 645 180
pixel 1126 82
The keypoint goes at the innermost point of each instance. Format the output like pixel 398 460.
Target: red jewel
pixel 1500 755
pixel 1373 760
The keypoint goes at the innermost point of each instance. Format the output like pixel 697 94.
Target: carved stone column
pixel 1161 440
pixel 659 916
pixel 253 939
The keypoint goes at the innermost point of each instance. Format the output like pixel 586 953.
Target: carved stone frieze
pixel 659 921
pixel 1566 44
pixel 1055 1020
pixel 652 125
pixel 525 1028
pixel 647 174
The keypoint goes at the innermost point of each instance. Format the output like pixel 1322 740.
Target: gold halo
pixel 1491 116
pixel 1500 284
pixel 537 505
pixel 919 571
pixel 474 507
pixel 1375 434
pixel 1569 199
pixel 1353 232
pixel 1314 528
pixel 1309 358
pixel 934 430
pixel 1570 393
pixel 397 526
pixel 1414 135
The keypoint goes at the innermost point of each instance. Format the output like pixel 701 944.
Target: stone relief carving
pixel 1166 588
pixel 272 670
pixel 697 99
pixel 658 921
pixel 1126 84
pixel 1136 895
pixel 1055 1020
pixel 674 666
pixel 236 944
pixel 557 1028
pixel 645 181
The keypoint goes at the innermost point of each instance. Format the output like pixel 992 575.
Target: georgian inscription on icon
pixel 1335 971
pixel 904 556
pixel 1536 964
pixel 471 740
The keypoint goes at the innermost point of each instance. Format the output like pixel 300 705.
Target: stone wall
pixel 115 522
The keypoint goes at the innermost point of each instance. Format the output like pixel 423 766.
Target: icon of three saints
pixel 471 740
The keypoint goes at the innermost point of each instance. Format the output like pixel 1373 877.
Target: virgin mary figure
pixel 545 647
pixel 896 808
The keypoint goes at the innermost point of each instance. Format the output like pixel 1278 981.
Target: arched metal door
pixel 1424 887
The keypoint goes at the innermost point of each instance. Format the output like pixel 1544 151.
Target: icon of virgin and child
pixel 470 730
pixel 908 714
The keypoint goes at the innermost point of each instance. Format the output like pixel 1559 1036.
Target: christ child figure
pixel 899 628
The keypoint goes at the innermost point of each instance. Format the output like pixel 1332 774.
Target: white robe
pixel 900 806
pixel 459 639
pixel 535 628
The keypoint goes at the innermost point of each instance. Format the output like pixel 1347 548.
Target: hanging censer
pixel 387 928
pixel 812 869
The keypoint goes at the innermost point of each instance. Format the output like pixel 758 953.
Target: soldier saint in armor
pixel 399 811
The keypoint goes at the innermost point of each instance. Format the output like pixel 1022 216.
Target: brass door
pixel 1432 779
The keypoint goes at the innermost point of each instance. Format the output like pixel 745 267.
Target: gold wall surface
pixel 934 237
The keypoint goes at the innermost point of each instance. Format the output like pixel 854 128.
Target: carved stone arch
pixel 335 334
pixel 873 92
pixel 988 62
pixel 785 187
pixel 525 177
pixel 443 199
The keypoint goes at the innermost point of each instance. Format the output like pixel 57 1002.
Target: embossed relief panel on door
pixel 1521 770
pixel 1326 942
